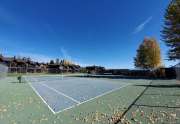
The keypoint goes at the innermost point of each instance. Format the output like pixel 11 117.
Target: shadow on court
pixel 162 86
pixel 159 100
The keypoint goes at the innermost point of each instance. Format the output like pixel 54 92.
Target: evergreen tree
pixel 171 29
pixel 51 62
pixel 148 55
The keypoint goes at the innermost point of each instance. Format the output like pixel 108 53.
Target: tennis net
pixel 45 78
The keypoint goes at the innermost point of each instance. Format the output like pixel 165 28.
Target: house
pixel 21 65
pixel 26 65
pixel 95 69
pixel 59 68
pixel 53 68
pixel 62 66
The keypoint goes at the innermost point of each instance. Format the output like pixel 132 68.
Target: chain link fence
pixel 3 71
pixel 177 67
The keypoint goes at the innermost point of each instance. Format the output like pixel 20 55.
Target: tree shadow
pixel 154 106
pixel 161 86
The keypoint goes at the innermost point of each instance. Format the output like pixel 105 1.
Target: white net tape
pixel 3 71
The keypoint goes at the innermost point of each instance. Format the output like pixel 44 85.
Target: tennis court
pixel 60 94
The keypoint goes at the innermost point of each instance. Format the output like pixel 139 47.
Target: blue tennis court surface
pixel 60 93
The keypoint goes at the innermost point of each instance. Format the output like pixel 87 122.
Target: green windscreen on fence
pixel 177 67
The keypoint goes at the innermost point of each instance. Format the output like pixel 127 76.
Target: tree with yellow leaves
pixel 148 54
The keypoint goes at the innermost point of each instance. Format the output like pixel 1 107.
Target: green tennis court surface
pixel 19 104
pixel 159 104
pixel 62 93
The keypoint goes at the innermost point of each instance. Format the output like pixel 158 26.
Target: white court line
pixel 103 94
pixel 60 93
pixel 42 98
pixel 78 103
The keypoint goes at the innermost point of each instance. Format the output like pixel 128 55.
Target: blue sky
pixel 101 32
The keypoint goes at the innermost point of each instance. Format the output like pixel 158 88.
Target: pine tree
pixel 52 62
pixel 171 29
pixel 148 55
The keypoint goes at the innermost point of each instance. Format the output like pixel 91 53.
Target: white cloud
pixel 142 25
pixel 65 54
pixel 170 63
pixel 44 58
